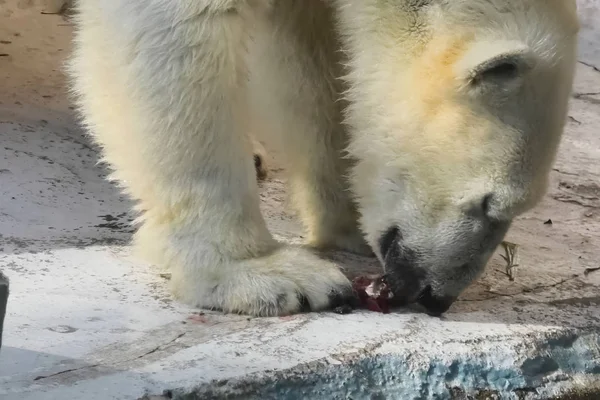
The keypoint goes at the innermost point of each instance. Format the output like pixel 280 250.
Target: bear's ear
pixel 494 63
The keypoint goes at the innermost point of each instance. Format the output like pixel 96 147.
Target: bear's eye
pixel 504 70
pixel 499 70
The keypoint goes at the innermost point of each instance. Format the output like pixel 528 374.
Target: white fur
pixel 163 87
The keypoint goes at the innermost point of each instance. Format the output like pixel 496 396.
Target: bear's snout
pixel 425 276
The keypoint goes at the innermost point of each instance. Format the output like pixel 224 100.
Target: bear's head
pixel 456 109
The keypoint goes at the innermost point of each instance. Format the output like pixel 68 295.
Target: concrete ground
pixel 86 321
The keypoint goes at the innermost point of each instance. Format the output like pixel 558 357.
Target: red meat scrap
pixel 373 292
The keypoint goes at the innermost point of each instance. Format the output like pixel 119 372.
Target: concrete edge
pixel 561 365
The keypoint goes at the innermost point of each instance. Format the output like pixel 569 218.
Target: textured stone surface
pixel 86 321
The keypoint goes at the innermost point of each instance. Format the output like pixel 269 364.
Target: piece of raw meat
pixel 373 292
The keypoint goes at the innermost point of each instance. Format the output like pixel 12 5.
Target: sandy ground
pixel 55 196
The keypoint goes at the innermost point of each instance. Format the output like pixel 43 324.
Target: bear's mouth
pixel 405 292
pixel 408 280
pixel 424 299
pixel 402 272
pixel 434 305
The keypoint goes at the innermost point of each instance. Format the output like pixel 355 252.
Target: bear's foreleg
pixel 161 86
pixel 294 84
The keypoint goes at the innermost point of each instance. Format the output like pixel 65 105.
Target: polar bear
pixel 416 130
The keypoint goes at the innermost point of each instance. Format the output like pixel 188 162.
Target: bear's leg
pixel 294 80
pixel 319 189
pixel 161 85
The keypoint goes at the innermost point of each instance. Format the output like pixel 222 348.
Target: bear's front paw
pixel 287 281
